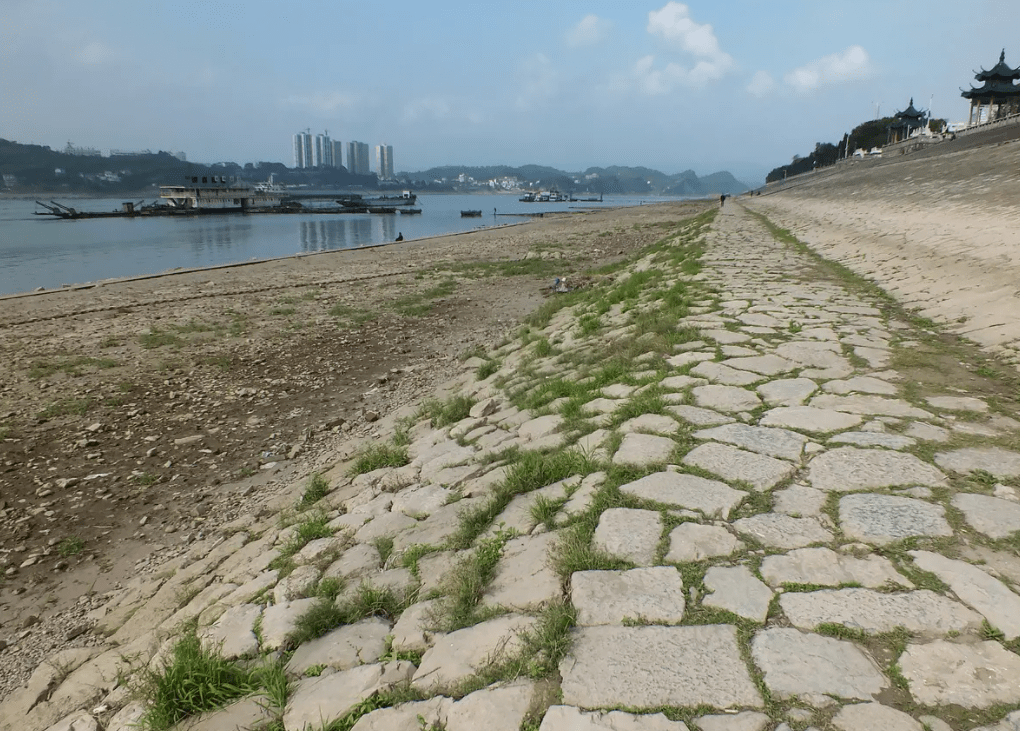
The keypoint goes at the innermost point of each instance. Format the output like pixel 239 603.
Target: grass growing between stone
pixel 376 456
pixel 444 413
pixel 312 527
pixel 326 614
pixel 196 680
pixel 466 583
pixel 316 489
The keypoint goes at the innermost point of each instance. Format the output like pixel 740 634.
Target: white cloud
pixel 324 101
pixel 431 108
pixel 95 53
pixel 836 68
pixel 539 80
pixel 590 31
pixel 674 23
pixel 761 84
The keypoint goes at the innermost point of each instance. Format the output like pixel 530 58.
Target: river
pixel 42 252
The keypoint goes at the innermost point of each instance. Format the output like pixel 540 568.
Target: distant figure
pixel 722 200
pixel 400 237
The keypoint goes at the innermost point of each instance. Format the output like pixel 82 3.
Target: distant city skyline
pixel 742 87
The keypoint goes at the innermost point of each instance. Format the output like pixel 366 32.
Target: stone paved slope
pixel 695 497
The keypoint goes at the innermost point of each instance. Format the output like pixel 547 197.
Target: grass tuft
pixel 316 489
pixel 377 456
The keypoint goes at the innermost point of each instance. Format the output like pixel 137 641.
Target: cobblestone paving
pixel 766 527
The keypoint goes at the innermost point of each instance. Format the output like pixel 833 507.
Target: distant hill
pixel 614 179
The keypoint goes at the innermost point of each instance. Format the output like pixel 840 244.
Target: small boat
pixel 470 214
pixel 382 209
pixel 409 211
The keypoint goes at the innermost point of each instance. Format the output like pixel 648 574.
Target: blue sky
pixel 741 85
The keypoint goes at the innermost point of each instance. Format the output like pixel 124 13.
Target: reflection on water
pixel 208 236
pixel 323 234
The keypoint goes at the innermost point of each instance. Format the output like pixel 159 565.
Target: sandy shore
pixel 135 413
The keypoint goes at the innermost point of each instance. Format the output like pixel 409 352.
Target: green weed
pixel 318 488
pixel 377 456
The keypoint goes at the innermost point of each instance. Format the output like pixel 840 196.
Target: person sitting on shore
pixel 400 237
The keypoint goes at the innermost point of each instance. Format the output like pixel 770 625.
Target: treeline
pixel 866 136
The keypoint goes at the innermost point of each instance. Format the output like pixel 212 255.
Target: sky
pixel 742 85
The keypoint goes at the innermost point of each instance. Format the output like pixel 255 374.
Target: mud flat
pixel 940 232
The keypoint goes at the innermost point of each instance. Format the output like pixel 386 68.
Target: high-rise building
pixel 384 161
pixel 299 151
pixel 306 146
pixel 338 158
pixel 357 158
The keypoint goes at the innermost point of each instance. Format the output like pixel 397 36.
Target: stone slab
pixel 783 531
pixel 279 620
pixel 799 501
pixel 698 416
pixel 460 655
pixel 882 519
pixel 654 595
pixel 994 517
pixel 646 667
pixel 825 567
pixel 232 635
pixel 860 384
pixel 695 542
pixel 922 612
pixel 736 590
pixel 874 716
pixel 356 644
pixel 846 469
pixel 973 676
pixel 711 497
pixel 632 535
pixel 787 391
pixel 568 718
pixel 726 398
pixel 644 450
pixel 811 667
pixel 721 374
pixel 870 406
pixel 732 464
pixel 762 440
pixel 766 365
pixel 809 419
pixel 316 702
pixel 1000 462
pixel 524 577
pixel 986 594
pixel 744 721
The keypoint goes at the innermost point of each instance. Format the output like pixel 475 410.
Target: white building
pixel 384 161
pixel 357 158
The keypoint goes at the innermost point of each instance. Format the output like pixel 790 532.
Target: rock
pixel 386 525
pixel 496 708
pixel 694 542
pixel 319 548
pixel 816 354
pixel 957 403
pixel 421 500
pixel 279 620
pixel 646 595
pixel 318 701
pixel 77 721
pixel 802 665
pixel 882 519
pixel 994 517
pixel 650 423
pixel 524 577
pixel 726 398
pixel 874 716
pixel 232 635
pixel 1000 462
pixel 540 427
pixel 713 498
pixel 921 612
pixel 873 439
pixel 973 676
pixel 783 531
pixel 246 713
pixel 568 718
pixel 644 450
pixel 799 501
pixel 128 718
pixel 699 416
pixel 645 667
pixel 632 535
pixel 809 419
pixel 356 561
pixel 927 432
pixel 787 392
pixel 860 384
pixel 346 647
pixel 825 567
pixel 745 721
pixel 719 373
pixel 461 654
pixel 766 365
pixel 763 440
pixel 413 631
pixel 847 469
pixel 988 595
pixel 736 590
pixel 870 405
pixel 733 464
pixel 299 584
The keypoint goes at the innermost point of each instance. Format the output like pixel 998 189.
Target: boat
pixel 470 214
pixel 356 200
pixel 542 196
pixel 409 211
pixel 527 198
pixel 382 209
pixel 214 193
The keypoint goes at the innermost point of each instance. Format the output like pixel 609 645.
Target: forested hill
pixel 614 179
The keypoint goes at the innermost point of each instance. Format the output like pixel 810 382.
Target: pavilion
pixel 997 97
pixel 906 122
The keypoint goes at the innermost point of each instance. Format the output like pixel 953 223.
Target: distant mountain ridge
pixel 613 179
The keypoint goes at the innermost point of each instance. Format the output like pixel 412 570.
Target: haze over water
pixel 39 252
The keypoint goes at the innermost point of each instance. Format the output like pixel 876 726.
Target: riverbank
pixel 164 398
